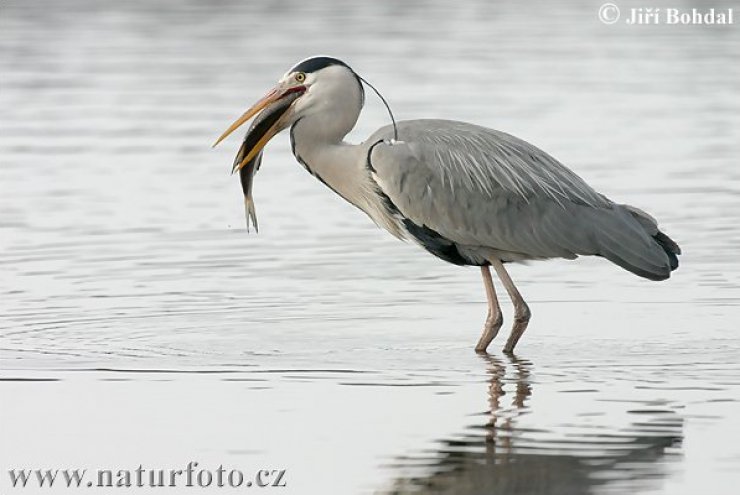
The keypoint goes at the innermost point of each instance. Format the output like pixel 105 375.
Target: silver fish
pixel 259 127
pixel 246 176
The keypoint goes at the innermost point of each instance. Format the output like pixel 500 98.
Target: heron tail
pixel 637 245
pixel 670 247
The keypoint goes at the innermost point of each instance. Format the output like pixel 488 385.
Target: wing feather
pixel 483 188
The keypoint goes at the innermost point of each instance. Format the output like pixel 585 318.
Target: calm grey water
pixel 141 324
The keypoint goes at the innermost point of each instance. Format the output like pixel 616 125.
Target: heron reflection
pixel 500 456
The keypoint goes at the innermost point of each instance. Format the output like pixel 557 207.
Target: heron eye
pixel 300 77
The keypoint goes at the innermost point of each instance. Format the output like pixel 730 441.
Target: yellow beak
pixel 270 98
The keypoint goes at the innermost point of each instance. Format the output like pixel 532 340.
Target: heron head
pixel 312 86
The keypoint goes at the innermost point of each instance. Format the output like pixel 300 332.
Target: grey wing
pixel 483 189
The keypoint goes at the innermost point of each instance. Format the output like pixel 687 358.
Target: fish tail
pixel 250 212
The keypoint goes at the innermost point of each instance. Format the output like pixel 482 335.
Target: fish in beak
pixel 246 176
pixel 273 118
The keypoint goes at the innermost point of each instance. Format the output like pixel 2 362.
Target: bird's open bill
pixel 275 103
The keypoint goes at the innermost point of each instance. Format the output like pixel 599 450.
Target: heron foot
pixel 522 315
pixel 490 330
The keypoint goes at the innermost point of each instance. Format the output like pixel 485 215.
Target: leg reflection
pixel 514 449
pixel 503 417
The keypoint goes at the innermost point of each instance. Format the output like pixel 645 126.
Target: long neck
pixel 325 154
pixel 343 167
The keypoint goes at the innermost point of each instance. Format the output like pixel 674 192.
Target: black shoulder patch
pixel 369 163
pixel 387 201
pixel 436 244
pixel 431 240
pixel 314 64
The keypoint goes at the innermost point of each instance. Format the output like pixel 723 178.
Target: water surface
pixel 141 324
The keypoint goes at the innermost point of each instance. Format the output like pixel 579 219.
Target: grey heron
pixel 467 194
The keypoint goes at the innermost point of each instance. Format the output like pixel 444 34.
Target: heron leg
pixel 494 318
pixel 521 310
